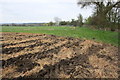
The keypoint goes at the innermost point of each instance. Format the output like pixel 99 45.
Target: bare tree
pixel 57 21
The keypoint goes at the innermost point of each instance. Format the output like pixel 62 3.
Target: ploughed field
pixel 30 55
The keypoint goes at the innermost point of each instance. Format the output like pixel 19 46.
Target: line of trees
pixel 24 24
pixel 106 13
pixel 73 22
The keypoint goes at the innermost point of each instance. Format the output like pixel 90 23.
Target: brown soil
pixel 29 55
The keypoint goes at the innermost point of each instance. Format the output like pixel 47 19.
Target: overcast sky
pixel 25 11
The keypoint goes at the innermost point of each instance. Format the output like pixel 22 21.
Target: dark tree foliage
pixel 73 22
pixel 63 23
pixel 51 23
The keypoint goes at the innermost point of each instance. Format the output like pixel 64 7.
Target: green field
pixel 78 32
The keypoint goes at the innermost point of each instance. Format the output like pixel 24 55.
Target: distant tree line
pixel 25 24
pixel 12 24
pixel 73 22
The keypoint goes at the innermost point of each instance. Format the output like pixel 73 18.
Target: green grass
pixel 78 32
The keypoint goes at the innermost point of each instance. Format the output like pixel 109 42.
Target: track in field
pixel 47 56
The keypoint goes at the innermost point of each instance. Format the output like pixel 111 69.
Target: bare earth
pixel 47 56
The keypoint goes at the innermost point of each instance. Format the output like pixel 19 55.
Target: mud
pixel 48 56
